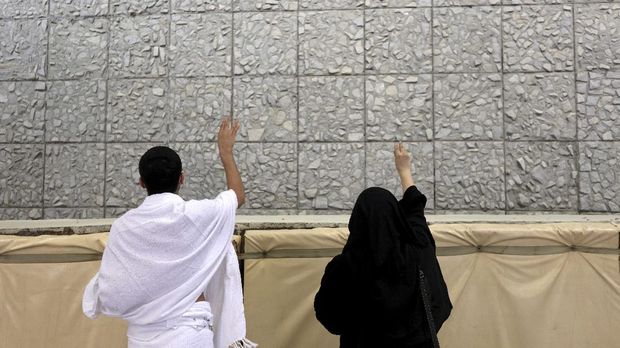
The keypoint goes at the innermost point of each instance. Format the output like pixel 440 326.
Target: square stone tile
pixel 596 36
pixel 22 112
pixel 79 8
pixel 23 49
pixel 266 43
pixel 469 175
pixel 201 45
pixel 381 170
pixel 21 213
pixel 331 42
pixel 399 41
pixel 76 111
pixel 73 213
pixel 467 39
pixel 599 182
pixel 331 175
pixel 199 107
pixel 21 175
pixel 204 174
pixel 74 175
pixel 399 107
pixel 23 8
pixel 266 107
pixel 538 38
pixel 397 3
pixel 541 176
pixel 138 46
pixel 122 176
pixel 468 107
pixel 466 2
pixel 78 48
pixel 269 173
pixel 598 105
pixel 540 106
pixel 115 212
pixel 139 7
pixel 264 5
pixel 137 110
pixel 193 6
pixel 333 4
pixel 331 108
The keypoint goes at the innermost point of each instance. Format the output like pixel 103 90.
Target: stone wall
pixel 506 105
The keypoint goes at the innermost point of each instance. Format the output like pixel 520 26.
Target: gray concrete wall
pixel 508 106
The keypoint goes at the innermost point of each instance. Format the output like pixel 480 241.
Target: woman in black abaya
pixel 370 294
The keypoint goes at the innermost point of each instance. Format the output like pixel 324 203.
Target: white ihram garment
pixel 158 260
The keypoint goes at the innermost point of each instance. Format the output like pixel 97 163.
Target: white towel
pixel 162 255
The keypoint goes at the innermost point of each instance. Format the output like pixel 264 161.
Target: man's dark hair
pixel 160 169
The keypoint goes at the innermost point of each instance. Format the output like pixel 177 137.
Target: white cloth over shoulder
pixel 162 255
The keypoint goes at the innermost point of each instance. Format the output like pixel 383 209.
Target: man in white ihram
pixel 169 267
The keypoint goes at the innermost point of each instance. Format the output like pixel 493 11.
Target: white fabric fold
pixel 162 255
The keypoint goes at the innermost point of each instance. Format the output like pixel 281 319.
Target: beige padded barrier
pixel 514 286
pixel 521 286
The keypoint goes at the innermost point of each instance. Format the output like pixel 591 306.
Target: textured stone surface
pixel 201 44
pixel 262 5
pixel 597 28
pixel 79 7
pixel 21 175
pixel 541 2
pixel 74 175
pixel 138 46
pixel 598 178
pixel 468 107
pixel 266 107
pixel 122 176
pixel 540 106
pixel 399 107
pixel 23 49
pixel 331 108
pixel 266 42
pixel 538 38
pixel 76 111
pixel 331 42
pixel 78 48
pixel 136 7
pixel 381 171
pixel 398 41
pixel 200 5
pixel 467 39
pixel 22 112
pixel 465 2
pixel 469 175
pixel 137 110
pixel 598 105
pixel 541 176
pixel 331 175
pixel 204 173
pixel 269 173
pixel 21 213
pixel 73 213
pixel 397 3
pixel 199 105
pixel 333 4
pixel 23 8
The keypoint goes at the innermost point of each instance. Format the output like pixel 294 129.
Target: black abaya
pixel 369 293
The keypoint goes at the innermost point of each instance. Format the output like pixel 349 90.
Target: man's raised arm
pixel 225 142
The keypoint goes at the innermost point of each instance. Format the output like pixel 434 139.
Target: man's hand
pixel 227 135
pixel 225 142
pixel 403 166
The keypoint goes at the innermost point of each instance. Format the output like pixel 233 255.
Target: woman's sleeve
pixel 332 303
pixel 413 202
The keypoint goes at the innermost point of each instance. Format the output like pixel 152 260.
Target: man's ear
pixel 141 182
pixel 181 179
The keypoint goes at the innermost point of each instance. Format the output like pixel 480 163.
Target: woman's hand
pixel 402 159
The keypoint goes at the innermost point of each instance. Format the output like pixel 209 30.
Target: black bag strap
pixel 427 308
